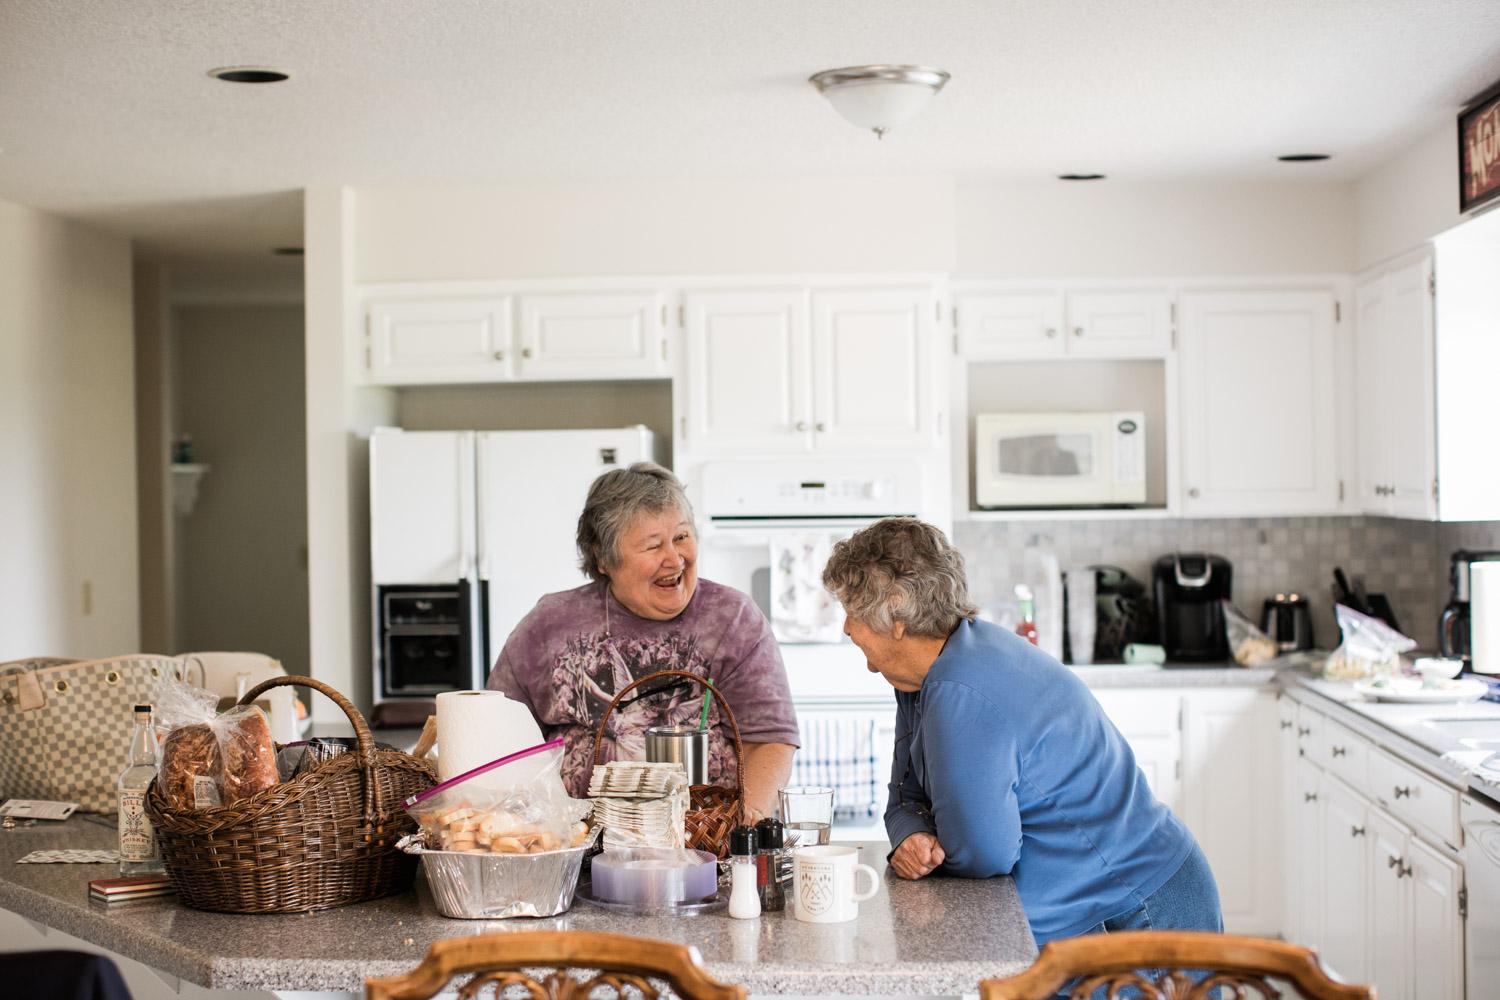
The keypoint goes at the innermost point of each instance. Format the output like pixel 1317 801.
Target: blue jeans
pixel 1188 901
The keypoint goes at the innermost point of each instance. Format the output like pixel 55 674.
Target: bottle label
pixel 761 877
pixel 137 838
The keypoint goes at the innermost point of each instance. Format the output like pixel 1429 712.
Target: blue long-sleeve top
pixel 1006 757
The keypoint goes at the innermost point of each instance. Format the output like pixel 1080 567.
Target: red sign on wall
pixel 1479 151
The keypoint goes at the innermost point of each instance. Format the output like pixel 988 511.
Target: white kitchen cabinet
pixel 1293 857
pixel 416 338
pixel 1009 325
pixel 451 340
pixel 1346 881
pixel 1230 802
pixel 799 370
pixel 593 336
pixel 1436 921
pixel 1309 896
pixel 1210 756
pixel 1394 382
pixel 1257 380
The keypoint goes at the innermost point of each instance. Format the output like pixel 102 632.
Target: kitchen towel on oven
pixel 838 751
pixel 801 610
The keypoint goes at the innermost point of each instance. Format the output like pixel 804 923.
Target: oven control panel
pixel 811 489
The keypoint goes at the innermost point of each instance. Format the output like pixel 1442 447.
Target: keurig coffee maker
pixel 1188 588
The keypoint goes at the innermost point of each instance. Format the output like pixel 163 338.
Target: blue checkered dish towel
pixel 838 750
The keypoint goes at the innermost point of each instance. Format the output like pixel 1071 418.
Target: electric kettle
pixel 1287 620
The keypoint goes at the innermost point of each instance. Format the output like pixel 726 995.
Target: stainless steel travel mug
pixel 685 745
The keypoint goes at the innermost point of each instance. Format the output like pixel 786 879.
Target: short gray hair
pixel 614 501
pixel 901 569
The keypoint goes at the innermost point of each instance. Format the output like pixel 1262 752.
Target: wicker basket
pixel 326 838
pixel 712 810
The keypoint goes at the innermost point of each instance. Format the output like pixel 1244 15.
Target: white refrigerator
pixel 467 530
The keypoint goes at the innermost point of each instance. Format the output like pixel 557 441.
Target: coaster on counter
pixel 70 858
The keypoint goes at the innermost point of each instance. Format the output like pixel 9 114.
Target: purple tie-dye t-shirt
pixel 576 649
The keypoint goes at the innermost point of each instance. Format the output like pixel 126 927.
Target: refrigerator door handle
pixel 481 465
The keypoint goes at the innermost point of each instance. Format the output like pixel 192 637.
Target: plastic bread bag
pixel 1247 644
pixel 1370 647
pixel 514 805
pixel 208 759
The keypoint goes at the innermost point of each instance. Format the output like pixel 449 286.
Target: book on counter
pixel 118 890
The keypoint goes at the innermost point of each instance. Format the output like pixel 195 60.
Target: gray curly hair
pixel 614 501
pixel 901 569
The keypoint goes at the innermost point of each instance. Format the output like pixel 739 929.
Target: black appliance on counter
pixel 1453 627
pixel 1188 588
pixel 1287 620
pixel 425 641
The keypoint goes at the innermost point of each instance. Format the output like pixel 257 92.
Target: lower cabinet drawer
pixel 1419 799
pixel 1345 754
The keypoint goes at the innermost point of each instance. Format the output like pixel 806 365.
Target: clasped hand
pixel 918 855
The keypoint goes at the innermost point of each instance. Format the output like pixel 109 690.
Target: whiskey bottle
pixel 139 854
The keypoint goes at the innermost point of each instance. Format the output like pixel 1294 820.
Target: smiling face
pixel 657 572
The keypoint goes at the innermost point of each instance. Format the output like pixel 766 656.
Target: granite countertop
pixel 937 936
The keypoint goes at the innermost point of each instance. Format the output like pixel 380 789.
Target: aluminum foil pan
pixel 495 886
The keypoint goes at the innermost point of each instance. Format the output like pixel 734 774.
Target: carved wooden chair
pixel 1170 965
pixel 624 968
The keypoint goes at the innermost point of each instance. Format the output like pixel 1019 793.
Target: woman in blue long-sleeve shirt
pixel 1005 763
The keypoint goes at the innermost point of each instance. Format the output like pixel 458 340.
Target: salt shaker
pixel 767 860
pixel 744 895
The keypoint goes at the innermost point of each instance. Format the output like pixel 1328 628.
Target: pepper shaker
pixel 767 860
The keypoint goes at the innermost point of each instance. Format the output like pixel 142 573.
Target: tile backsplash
pixel 1405 560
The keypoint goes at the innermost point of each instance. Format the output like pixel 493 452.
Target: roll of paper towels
pixel 476 727
pixel 1484 617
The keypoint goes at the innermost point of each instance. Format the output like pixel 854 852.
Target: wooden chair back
pixel 622 963
pixel 1176 960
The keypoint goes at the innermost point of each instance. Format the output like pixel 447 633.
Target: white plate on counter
pixel 1417 691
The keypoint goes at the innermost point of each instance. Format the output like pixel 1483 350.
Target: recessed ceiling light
pixel 1304 157
pixel 1080 177
pixel 249 74
pixel 288 251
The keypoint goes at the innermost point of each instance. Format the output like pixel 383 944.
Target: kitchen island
pixel 937 936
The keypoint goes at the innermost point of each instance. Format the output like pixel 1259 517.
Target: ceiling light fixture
pixel 879 97
pixel 1304 157
pixel 249 74
pixel 1080 177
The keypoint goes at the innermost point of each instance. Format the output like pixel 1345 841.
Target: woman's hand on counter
pixel 917 855
pixel 768 766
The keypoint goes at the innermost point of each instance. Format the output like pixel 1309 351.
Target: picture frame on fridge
pixel 1479 151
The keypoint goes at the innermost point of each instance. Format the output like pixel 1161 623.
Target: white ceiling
pixel 106 112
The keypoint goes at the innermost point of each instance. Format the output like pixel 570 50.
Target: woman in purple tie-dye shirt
pixel 646 610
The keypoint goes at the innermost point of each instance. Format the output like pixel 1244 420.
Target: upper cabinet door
pixel 1257 391
pixel 440 340
pixel 593 336
pixel 871 363
pixel 747 369
pixel 1011 325
pixel 1370 322
pixel 1119 324
pixel 1407 397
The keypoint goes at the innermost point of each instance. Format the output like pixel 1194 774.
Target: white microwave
pixel 1059 459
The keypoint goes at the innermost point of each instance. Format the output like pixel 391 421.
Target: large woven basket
pixel 712 810
pixel 326 838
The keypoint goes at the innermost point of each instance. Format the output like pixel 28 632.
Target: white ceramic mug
pixel 823 880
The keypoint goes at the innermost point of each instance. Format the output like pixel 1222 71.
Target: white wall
pixel 1408 200
pixel 1111 229
pixel 67 440
pixel 656 227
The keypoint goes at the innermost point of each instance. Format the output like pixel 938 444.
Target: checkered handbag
pixel 65 725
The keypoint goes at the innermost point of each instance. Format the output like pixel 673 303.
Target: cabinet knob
pixel 525 352
pixel 1304 730
pixel 1078 331
pixel 820 428
pixel 1339 751
pixel 801 425
pixel 1051 331
pixel 1309 796
pixel 1193 492
pixel 499 355
pixel 1402 793
pixel 1286 723
pixel 1356 831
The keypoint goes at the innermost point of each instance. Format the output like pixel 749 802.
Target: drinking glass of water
pixel 807 814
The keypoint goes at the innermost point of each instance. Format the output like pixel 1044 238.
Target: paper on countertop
pixel 70 858
pixel 801 610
